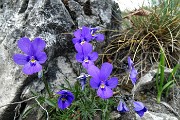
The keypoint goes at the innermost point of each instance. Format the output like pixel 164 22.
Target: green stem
pixel 162 65
pixel 160 83
pixel 47 86
pixel 159 97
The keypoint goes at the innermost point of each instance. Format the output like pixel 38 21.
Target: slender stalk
pixel 160 84
pixel 159 97
pixel 162 64
pixel 46 86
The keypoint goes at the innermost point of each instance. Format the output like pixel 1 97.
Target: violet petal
pixel 133 75
pixel 38 45
pixel 20 59
pixel 138 106
pixel 99 37
pixel 95 83
pixel 130 63
pixel 93 56
pixel 105 70
pixel 86 33
pixel 141 112
pixel 41 57
pixel 87 64
pixel 77 33
pixel 122 107
pixel 25 45
pixel 68 98
pixel 93 71
pixel 76 40
pixel 80 57
pixel 30 69
pixel 87 48
pixel 113 82
pixel 78 47
pixel 105 93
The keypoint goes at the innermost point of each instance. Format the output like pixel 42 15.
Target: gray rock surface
pixel 147 80
pixel 48 19
pixel 156 116
pixel 149 115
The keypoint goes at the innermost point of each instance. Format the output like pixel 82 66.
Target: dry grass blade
pixel 150 29
pixel 139 12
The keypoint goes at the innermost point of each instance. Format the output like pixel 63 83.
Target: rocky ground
pixel 54 21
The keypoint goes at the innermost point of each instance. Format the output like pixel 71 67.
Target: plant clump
pixel 145 32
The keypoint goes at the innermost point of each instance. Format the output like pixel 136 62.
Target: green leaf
pixel 167 91
pixel 68 83
pixel 162 65
pixel 50 102
pixel 167 85
pixel 26 112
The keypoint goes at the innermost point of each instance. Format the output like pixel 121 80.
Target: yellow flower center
pixel 86 60
pixel 102 86
pixel 33 60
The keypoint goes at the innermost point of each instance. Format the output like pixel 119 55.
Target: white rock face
pixel 147 79
pixel 156 116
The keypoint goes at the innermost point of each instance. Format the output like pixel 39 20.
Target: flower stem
pixel 159 97
pixel 47 86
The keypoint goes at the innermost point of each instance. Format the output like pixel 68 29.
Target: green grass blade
pixel 51 102
pixel 162 65
pixel 167 85
pixel 167 91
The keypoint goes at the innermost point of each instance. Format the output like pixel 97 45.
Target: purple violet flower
pixel 82 79
pixel 139 108
pixel 133 75
pixel 93 30
pixel 65 99
pixel 98 37
pixel 100 80
pixel 122 107
pixel 82 35
pixel 85 54
pixel 130 63
pixel 133 72
pixel 34 55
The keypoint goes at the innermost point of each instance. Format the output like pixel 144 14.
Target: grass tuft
pixel 145 32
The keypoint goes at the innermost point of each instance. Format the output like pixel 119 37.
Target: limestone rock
pixel 147 79
pixel 156 116
pixel 50 20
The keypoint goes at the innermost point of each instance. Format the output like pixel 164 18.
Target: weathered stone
pixel 115 115
pixel 47 19
pixel 65 73
pixel 147 79
pixel 175 102
pixel 91 12
pixel 156 116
